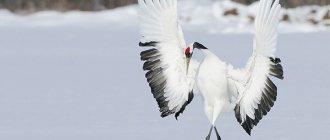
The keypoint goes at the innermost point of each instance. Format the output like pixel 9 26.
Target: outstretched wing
pixel 256 92
pixel 165 62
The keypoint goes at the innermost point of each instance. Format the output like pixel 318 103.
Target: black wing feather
pixel 268 98
pixel 157 80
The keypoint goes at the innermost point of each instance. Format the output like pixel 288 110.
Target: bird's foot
pixel 207 137
pixel 216 132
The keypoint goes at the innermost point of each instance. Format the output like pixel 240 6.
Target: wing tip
pixel 276 68
pixel 268 98
pixel 190 98
pixel 149 54
pixel 148 44
pixel 246 126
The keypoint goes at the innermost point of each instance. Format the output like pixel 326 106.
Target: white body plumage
pixel 213 85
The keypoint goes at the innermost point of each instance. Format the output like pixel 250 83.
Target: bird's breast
pixel 211 79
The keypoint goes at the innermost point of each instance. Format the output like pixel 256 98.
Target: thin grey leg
pixel 209 135
pixel 216 132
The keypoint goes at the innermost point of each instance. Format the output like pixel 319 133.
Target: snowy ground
pixel 207 16
pixel 80 82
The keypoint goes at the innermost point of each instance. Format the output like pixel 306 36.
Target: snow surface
pixel 195 15
pixel 78 76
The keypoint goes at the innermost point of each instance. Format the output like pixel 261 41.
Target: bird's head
pixel 190 49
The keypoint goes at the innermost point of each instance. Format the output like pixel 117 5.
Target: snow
pixel 209 16
pixel 126 16
pixel 77 75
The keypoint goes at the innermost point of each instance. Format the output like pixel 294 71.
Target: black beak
pixel 198 46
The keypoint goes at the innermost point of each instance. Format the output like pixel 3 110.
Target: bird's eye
pixel 187 51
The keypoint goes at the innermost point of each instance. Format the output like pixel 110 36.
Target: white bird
pixel 173 76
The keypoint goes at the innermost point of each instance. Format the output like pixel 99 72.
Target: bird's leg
pixel 209 135
pixel 216 132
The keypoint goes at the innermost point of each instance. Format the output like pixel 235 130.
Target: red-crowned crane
pixel 173 76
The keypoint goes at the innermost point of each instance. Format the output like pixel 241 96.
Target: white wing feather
pixel 257 93
pixel 160 30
